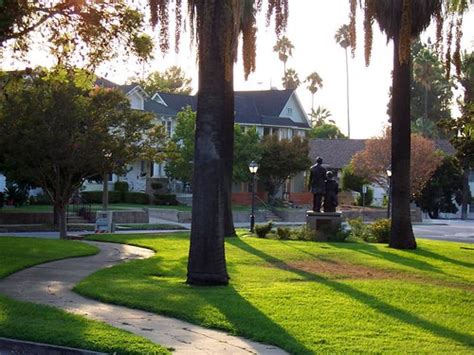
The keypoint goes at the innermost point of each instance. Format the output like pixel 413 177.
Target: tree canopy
pixel 56 131
pixel 173 80
pixel 74 30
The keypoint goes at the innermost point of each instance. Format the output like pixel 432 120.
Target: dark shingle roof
pixel 337 153
pixel 251 107
pixel 103 82
pixel 159 109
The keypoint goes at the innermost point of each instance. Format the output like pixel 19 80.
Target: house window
pixel 267 131
pixel 168 128
pixel 290 111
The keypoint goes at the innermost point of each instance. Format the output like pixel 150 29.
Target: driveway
pixel 450 230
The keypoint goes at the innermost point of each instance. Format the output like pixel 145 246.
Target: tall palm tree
pixel 315 82
pixel 290 80
pixel 342 38
pixel 284 48
pixel 216 25
pixel 423 73
pixel 402 20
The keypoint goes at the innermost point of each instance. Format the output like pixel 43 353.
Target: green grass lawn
pixel 28 321
pixel 309 297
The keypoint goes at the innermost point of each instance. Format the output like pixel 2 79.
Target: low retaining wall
pixel 26 218
pixel 125 216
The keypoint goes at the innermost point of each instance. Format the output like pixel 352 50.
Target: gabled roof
pixel 103 82
pixel 337 153
pixel 251 107
pixel 159 109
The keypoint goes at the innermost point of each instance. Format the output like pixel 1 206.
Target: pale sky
pixel 311 28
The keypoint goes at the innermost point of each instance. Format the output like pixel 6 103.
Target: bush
pixel 380 230
pixel 96 196
pixel 40 199
pixel 2 199
pixel 369 197
pixel 165 199
pixel 303 233
pixel 121 186
pixel 284 233
pixel 359 229
pixel 140 198
pixel 263 229
pixel 16 194
pixel 351 181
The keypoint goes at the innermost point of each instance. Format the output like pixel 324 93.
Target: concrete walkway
pixel 51 284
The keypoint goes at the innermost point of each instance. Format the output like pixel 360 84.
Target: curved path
pixel 51 284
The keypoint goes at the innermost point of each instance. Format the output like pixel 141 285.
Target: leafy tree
pixel 461 130
pixel 284 48
pixel 247 148
pixel 342 38
pixel 351 181
pixel 180 152
pixel 173 80
pixel 291 80
pixel 56 132
pixel 444 187
pixel 373 161
pixel 403 20
pixel 74 29
pixel 326 131
pixel 315 82
pixel 281 160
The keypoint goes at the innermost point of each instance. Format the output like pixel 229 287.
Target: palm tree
pixel 423 73
pixel 342 38
pixel 216 26
pixel 402 20
pixel 284 49
pixel 319 116
pixel 315 83
pixel 290 80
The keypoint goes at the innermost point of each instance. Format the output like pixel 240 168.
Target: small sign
pixel 364 189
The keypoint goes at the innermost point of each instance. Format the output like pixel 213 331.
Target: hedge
pixel 137 197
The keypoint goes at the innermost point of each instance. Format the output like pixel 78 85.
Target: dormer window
pixel 289 111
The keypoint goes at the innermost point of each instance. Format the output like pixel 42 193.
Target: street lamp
pixel 253 167
pixel 389 175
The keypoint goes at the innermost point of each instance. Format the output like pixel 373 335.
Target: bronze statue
pixel 330 197
pixel 317 183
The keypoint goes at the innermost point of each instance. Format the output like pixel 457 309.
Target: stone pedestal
pixel 323 223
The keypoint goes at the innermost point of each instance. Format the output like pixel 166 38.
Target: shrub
pixel 369 197
pixel 303 233
pixel 2 199
pixel 40 199
pixel 140 198
pixel 380 230
pixel 121 186
pixel 263 229
pixel 351 181
pixel 96 196
pixel 284 233
pixel 359 229
pixel 165 199
pixel 16 194
pixel 337 234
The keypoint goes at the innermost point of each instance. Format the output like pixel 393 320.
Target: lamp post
pixel 389 175
pixel 253 167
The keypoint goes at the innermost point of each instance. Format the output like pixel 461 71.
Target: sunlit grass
pixel 310 297
pixel 27 321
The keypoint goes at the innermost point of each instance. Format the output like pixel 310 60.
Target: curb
pixel 13 346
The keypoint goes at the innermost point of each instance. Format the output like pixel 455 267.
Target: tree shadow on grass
pixel 430 254
pixel 364 298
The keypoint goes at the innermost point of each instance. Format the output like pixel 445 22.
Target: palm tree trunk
pixel 402 236
pixel 213 147
pixel 347 96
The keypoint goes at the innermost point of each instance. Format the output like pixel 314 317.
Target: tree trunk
pixel 465 193
pixel 105 191
pixel 211 215
pixel 402 236
pixel 347 96
pixel 55 216
pixel 61 211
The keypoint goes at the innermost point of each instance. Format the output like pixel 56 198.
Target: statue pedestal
pixel 323 223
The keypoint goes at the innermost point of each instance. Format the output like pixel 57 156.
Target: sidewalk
pixel 51 284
